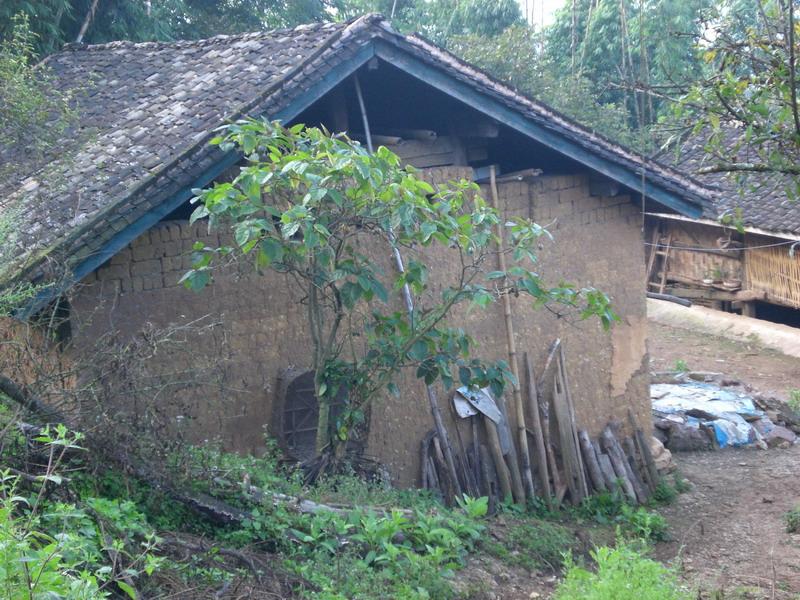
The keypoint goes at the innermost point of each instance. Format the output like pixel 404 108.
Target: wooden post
pixel 590 458
pixel 629 446
pixel 533 409
pixel 617 457
pixel 522 437
pixel 644 452
pixel 572 422
pixel 607 470
pixel 503 476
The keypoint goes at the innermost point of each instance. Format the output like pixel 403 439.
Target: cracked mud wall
pixel 261 329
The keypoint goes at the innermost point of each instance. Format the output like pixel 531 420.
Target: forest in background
pixel 613 65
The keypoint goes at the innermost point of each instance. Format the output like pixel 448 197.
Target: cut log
pixel 642 492
pixel 568 437
pixel 522 469
pixel 548 364
pixel 609 443
pixel 489 479
pixel 590 460
pixel 573 424
pixel 644 451
pixel 607 470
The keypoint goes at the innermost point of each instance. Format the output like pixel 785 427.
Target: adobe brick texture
pixel 597 242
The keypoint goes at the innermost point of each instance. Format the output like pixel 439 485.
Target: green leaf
pixel 350 293
pixel 464 375
pixel 419 350
pixel 272 249
pixel 127 589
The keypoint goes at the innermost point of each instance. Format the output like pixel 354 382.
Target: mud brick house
pixel 738 256
pixel 114 210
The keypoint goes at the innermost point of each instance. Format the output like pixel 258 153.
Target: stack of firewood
pixel 562 462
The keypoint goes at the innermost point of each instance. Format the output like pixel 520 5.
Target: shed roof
pixel 763 198
pixel 148 110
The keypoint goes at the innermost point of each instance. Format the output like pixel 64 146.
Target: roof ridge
pixel 209 41
pixel 557 117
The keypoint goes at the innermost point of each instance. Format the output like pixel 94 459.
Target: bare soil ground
pixel 728 531
pixel 767 371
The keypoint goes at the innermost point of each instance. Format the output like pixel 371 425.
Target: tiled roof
pixel 764 199
pixel 148 110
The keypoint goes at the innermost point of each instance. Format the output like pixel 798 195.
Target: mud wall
pixel 598 242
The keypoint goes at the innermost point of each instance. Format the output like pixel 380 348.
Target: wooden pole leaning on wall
pixel 436 413
pixel 519 411
pixel 538 435
pixel 503 474
pixel 559 486
pixel 644 450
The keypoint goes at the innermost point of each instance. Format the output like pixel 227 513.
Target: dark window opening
pixel 778 314
pixel 300 416
pixel 182 213
pixel 55 321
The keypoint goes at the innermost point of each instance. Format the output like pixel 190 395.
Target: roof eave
pixel 683 201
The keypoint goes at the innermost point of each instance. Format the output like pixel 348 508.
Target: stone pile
pixel 703 411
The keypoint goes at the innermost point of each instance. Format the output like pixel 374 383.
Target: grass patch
pixel 792 519
pixel 622 573
pixel 681 366
pixel 533 544
pixel 794 400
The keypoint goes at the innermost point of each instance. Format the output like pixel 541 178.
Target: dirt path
pixel 765 370
pixel 729 529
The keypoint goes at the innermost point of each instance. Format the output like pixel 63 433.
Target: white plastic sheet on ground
pixel 723 410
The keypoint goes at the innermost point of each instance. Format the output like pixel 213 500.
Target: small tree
pixel 745 107
pixel 300 205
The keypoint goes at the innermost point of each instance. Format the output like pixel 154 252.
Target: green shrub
pixel 540 545
pixel 642 524
pixel 794 400
pixel 664 492
pixel 611 508
pixel 792 519
pixel 622 573
pixel 32 563
pixel 681 366
pixel 80 551
pixel 681 484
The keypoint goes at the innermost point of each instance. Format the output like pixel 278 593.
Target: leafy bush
pixel 32 563
pixel 792 519
pixel 622 573
pixel 401 554
pixel 643 524
pixel 664 493
pixel 611 508
pixel 51 549
pixel 794 400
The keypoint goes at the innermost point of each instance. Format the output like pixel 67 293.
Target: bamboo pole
pixel 533 409
pixel 436 413
pixel 526 485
